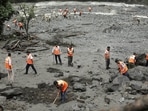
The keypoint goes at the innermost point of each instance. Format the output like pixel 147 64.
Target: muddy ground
pixel 109 24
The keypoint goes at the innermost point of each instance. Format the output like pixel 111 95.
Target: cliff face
pixel 126 1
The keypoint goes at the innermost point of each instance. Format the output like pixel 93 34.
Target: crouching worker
pixel 62 86
pixel 122 67
pixel 132 61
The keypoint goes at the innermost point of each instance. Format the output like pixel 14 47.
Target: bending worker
pixel 70 52
pixel 132 61
pixel 122 67
pixel 62 86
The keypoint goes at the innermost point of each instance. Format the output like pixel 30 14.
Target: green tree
pixel 6 11
pixel 27 15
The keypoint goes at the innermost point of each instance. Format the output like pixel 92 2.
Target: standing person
pixel 74 10
pixel 107 57
pixel 29 61
pixel 132 61
pixel 89 9
pixel 70 52
pixel 8 66
pixel 122 67
pixel 146 58
pixel 20 25
pixel 62 86
pixel 57 52
pixel 15 22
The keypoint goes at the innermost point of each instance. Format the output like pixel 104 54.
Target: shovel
pixel 56 98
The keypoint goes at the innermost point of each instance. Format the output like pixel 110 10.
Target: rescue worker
pixel 146 57
pixel 80 13
pixel 15 22
pixel 74 10
pixel 89 9
pixel 20 25
pixel 57 52
pixel 122 67
pixel 70 52
pixel 107 57
pixel 65 12
pixel 29 61
pixel 132 61
pixel 8 66
pixel 62 87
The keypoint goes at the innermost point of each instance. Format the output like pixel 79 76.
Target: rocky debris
pixel 139 73
pixel 10 93
pixel 79 87
pixel 114 27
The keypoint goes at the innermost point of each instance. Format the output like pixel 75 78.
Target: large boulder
pixel 139 73
pixel 140 59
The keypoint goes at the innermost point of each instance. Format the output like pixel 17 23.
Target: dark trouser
pixel 131 65
pixel 58 57
pixel 126 74
pixel 107 63
pixel 70 58
pixel 27 67
pixel 146 63
pixel 63 96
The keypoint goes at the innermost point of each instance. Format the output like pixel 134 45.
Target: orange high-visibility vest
pixel 122 67
pixel 107 54
pixel 64 85
pixel 8 64
pixel 70 51
pixel 56 50
pixel 20 24
pixel 146 56
pixel 132 59
pixel 29 59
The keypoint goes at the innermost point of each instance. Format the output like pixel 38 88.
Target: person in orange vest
pixel 29 61
pixel 80 13
pixel 132 60
pixel 74 10
pixel 62 86
pixel 8 66
pixel 65 13
pixel 107 57
pixel 15 22
pixel 70 52
pixel 20 25
pixel 122 68
pixel 146 57
pixel 89 9
pixel 57 52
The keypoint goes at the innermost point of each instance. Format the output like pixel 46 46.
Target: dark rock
pixel 79 87
pixel 10 93
pixel 138 73
pixel 140 59
pixel 42 85
pixel 107 100
pixel 59 74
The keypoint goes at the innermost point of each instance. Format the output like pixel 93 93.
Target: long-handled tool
pixel 53 59
pixel 56 98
